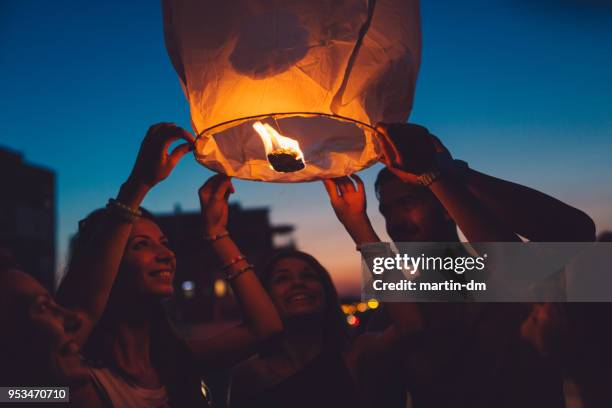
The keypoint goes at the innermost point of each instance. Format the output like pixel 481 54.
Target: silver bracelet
pixel 233 261
pixel 233 275
pixel 213 238
pixel 125 212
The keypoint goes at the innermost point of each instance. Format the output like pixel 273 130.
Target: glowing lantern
pixel 290 90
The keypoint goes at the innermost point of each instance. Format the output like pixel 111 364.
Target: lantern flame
pixel 284 154
pixel 273 140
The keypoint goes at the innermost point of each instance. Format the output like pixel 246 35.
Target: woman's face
pixel 148 264
pixel 296 288
pixel 46 332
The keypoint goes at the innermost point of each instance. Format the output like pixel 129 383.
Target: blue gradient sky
pixel 520 89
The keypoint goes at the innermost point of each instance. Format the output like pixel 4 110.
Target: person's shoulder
pixel 363 351
pixel 365 343
pixel 89 391
pixel 252 375
pixel 87 396
pixel 374 351
pixel 250 365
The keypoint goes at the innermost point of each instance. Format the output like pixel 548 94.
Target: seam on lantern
pixel 349 66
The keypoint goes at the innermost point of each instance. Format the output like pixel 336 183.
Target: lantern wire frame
pixel 235 122
pixel 209 132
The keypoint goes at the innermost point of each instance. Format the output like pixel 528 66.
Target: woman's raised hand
pixel 347 196
pixel 154 163
pixel 213 201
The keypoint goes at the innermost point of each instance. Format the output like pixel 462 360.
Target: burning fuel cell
pixel 285 161
pixel 283 153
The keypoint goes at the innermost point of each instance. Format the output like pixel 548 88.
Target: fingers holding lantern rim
pixel 390 155
pixel 162 135
pixel 215 187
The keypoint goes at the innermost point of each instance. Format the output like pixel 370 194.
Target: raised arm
pixel 95 261
pixel 525 211
pixel 476 220
pixel 349 203
pixel 260 315
pixel 530 213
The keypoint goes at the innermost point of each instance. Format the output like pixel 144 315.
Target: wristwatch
pixel 426 179
pixel 444 163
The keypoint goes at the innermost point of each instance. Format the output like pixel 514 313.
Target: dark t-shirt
pixel 471 355
pixel 325 382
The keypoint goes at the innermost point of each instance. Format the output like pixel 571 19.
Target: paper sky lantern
pixel 289 90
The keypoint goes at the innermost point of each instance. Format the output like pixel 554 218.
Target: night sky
pixel 519 89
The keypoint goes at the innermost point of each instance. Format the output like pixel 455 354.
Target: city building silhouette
pixel 27 215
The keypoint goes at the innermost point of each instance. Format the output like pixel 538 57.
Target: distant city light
pixel 220 288
pixel 352 320
pixel 188 289
pixel 361 307
pixel 188 286
pixel 373 303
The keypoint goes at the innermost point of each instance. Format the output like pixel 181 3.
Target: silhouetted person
pixel 38 346
pixel 471 355
pixel 37 342
pixel 584 351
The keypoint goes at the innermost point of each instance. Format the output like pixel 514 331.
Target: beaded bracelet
pixel 123 211
pixel 213 238
pixel 233 275
pixel 233 262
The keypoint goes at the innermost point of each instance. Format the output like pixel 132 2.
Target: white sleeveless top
pixel 117 392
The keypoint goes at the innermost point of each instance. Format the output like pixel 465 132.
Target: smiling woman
pixel 148 262
pixel 315 351
pixel 120 270
pixel 308 355
pixel 149 256
pixel 144 279
pixel 37 332
pixel 301 288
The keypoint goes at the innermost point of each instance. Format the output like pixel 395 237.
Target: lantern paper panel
pixel 321 73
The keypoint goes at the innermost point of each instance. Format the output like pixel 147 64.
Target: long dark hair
pixel 169 354
pixel 335 328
